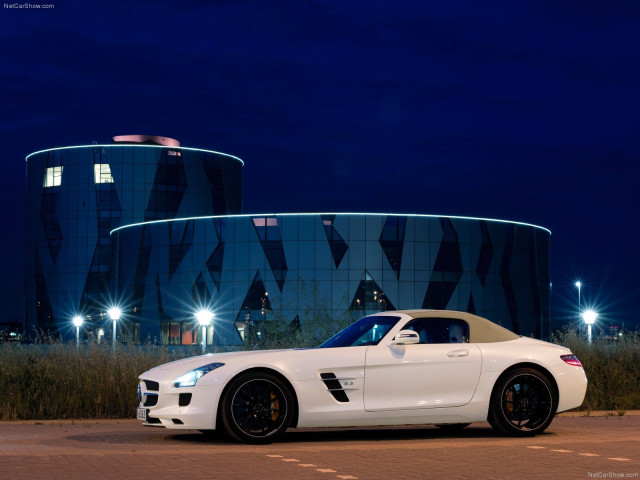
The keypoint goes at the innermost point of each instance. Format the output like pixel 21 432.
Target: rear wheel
pixel 257 407
pixel 522 403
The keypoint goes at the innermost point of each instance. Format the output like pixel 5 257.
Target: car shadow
pixel 383 434
pixel 366 434
pixel 298 435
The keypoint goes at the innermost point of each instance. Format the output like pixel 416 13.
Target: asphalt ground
pixel 574 446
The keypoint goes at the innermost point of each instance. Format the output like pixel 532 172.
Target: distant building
pixel 180 243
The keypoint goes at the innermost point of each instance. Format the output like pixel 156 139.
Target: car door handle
pixel 458 353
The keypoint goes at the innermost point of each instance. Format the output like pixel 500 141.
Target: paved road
pixel 573 447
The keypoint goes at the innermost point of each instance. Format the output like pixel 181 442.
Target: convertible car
pixel 434 367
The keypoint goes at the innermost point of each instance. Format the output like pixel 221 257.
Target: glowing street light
pixel 589 317
pixel 204 318
pixel 114 313
pixel 77 322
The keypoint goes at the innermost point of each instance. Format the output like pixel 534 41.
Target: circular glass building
pixel 77 195
pixel 302 269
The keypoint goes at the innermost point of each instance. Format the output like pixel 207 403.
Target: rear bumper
pixel 572 386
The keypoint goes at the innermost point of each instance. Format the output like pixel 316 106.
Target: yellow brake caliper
pixel 275 407
pixel 508 398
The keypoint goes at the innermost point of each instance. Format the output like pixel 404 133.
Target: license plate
pixel 141 414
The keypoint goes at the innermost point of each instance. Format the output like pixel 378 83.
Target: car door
pixel 434 373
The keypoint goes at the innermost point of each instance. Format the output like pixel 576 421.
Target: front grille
pixel 151 401
pixel 334 387
pixel 151 385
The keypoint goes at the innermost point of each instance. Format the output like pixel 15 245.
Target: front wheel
pixel 257 408
pixel 522 403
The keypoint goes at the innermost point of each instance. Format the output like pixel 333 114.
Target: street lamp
pixel 578 285
pixel 77 322
pixel 204 318
pixel 589 317
pixel 114 313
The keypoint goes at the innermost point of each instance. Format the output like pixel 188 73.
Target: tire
pixel 523 403
pixel 257 408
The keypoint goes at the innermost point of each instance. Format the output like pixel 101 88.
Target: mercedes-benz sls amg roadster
pixel 408 367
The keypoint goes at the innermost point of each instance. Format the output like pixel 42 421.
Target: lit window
pixel 265 221
pixel 53 177
pixel 102 173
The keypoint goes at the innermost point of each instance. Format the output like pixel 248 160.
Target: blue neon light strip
pixel 120 145
pixel 416 215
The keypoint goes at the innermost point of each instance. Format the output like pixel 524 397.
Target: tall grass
pixel 612 368
pixel 57 381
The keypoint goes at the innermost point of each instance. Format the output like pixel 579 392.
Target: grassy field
pixel 612 368
pixel 61 381
pixel 57 381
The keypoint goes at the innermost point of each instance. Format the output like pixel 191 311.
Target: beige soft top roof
pixel 481 330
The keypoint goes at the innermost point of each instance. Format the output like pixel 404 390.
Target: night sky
pixel 525 111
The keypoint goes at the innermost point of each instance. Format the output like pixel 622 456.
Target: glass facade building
pixel 77 195
pixel 158 230
pixel 249 269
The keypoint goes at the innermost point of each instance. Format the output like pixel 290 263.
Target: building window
pixel 53 177
pixel 170 332
pixel 102 173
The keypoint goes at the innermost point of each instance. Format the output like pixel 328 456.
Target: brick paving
pixel 573 447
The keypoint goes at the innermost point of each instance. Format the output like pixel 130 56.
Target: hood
pixel 186 364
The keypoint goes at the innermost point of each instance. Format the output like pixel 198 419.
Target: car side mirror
pixel 406 337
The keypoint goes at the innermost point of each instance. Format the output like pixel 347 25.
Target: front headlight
pixel 190 379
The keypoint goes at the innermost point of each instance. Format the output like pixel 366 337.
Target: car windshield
pixel 366 331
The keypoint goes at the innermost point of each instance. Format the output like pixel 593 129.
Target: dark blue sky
pixel 525 111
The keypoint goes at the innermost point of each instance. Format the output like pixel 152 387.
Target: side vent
pixel 334 387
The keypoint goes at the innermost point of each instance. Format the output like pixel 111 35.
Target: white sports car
pixel 393 368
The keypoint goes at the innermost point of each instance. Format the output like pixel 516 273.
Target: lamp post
pixel 114 314
pixel 589 317
pixel 204 318
pixel 77 322
pixel 578 285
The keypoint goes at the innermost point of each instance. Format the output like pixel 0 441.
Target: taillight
pixel 571 360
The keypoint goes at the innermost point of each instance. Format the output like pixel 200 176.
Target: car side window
pixel 440 330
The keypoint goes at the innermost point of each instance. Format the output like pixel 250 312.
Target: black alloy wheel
pixel 523 403
pixel 257 408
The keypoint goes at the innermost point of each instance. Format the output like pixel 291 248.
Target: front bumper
pixel 166 406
